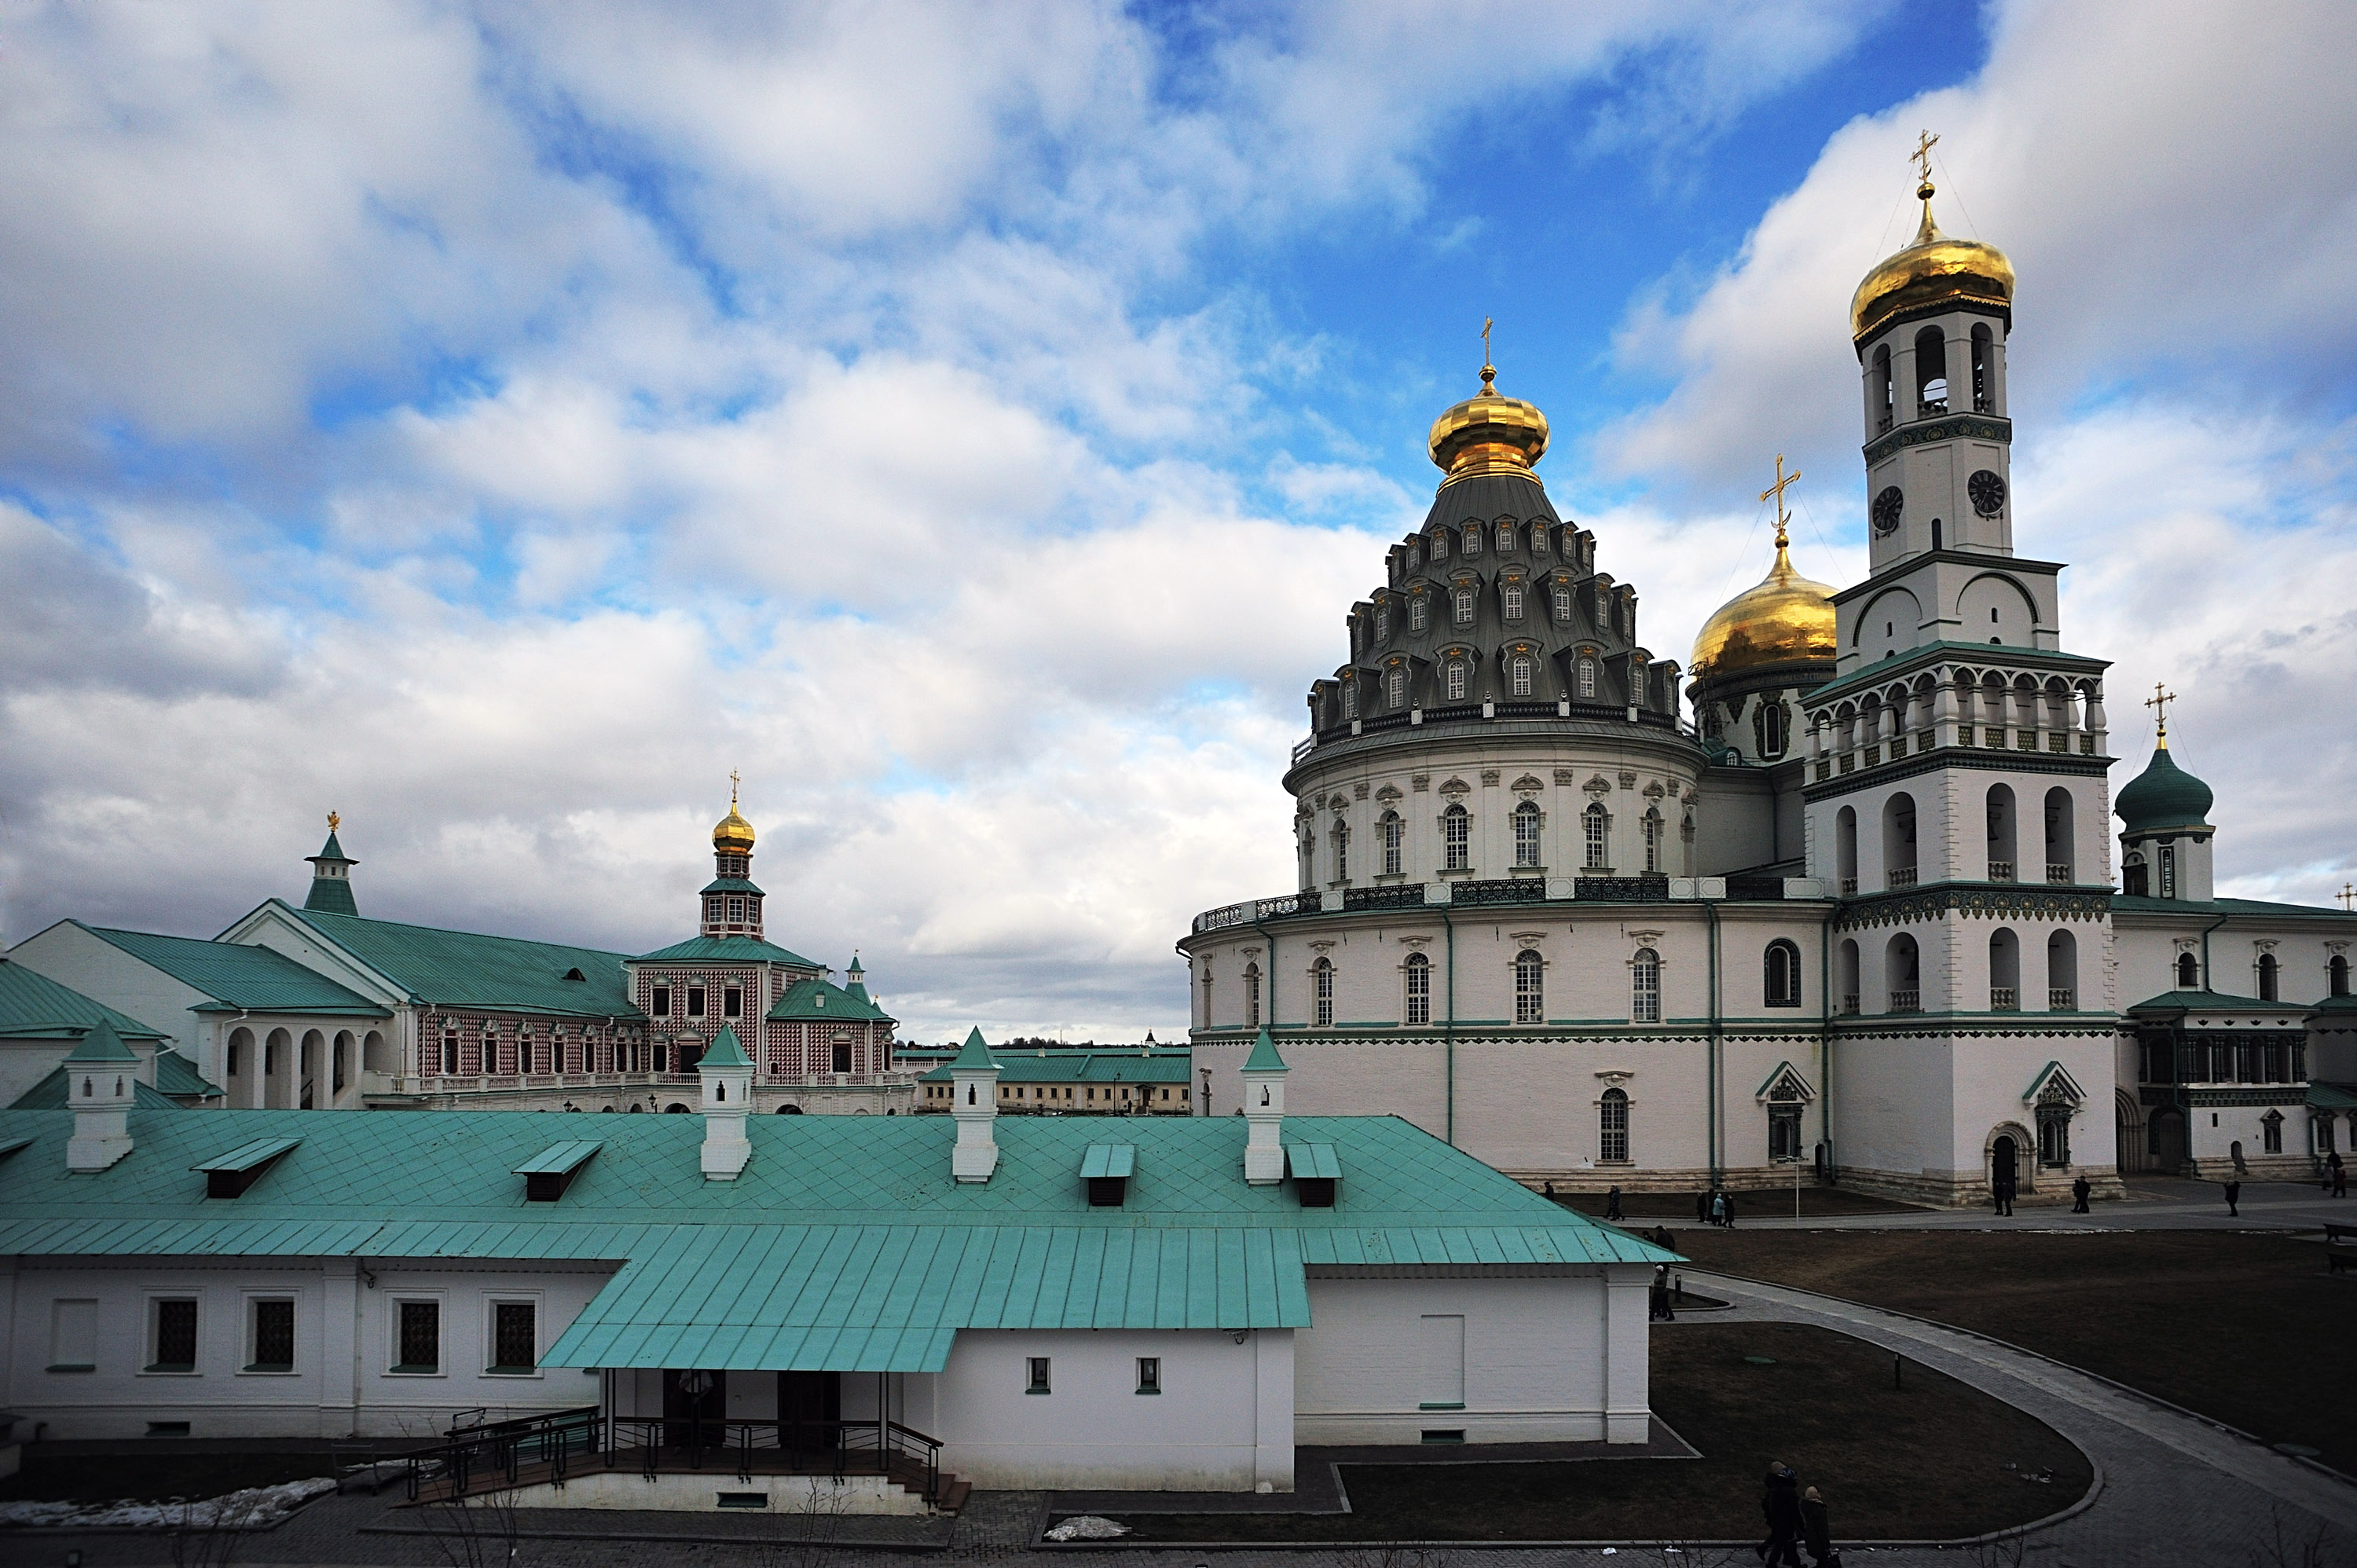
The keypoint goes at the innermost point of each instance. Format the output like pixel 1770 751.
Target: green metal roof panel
pixel 176 1075
pixel 2214 1002
pixel 11 1145
pixel 101 1047
pixel 463 969
pixel 34 1006
pixel 558 1158
pixel 1106 1160
pixel 726 1050
pixel 2332 1096
pixel 817 1000
pixel 247 1156
pixel 727 949
pixel 975 1053
pixel 237 976
pixel 1263 1058
pixel 1316 1161
pixel 732 885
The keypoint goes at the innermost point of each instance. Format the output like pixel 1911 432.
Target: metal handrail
pixel 496 1452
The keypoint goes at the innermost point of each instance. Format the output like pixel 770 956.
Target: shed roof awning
pixel 560 1159
pixel 247 1156
pixel 1110 1160
pixel 1316 1161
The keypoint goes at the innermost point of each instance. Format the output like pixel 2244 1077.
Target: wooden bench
pixel 2341 1246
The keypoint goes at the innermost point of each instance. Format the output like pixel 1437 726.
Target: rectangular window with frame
pixel 732 1001
pixel 1149 1374
pixel 515 1336
pixel 1417 610
pixel 173 1345
pixel 1513 601
pixel 270 1335
pixel 695 1001
pixel 1038 1375
pixel 660 1004
pixel 842 1056
pixel 736 911
pixel 417 1336
pixel 1419 990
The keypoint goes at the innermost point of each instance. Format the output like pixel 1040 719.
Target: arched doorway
pixel 2005 1163
pixel 2011 1149
pixel 2165 1140
pixel 2127 1135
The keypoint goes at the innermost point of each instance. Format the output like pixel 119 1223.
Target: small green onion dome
pixel 2163 796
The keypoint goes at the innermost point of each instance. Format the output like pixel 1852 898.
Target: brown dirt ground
pixel 2249 1329
pixel 1926 1460
pixel 154 1477
pixel 1758 1205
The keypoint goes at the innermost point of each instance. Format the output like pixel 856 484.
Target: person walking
pixel 1612 1205
pixel 1701 1208
pixel 1816 1532
pixel 2233 1197
pixel 1727 1209
pixel 2079 1191
pixel 1660 1296
pixel 1781 1502
pixel 2001 1194
pixel 2336 1173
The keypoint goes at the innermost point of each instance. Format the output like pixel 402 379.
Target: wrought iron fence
pixel 1500 890
pixel 1400 896
pixel 1624 889
pixel 1755 887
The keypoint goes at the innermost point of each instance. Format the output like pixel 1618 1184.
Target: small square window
pixel 1149 1374
pixel 1038 1381
pixel 515 1342
pixel 176 1335
pixel 271 1346
pixel 418 1337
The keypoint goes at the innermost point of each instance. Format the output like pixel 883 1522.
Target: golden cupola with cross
pixel 1777 634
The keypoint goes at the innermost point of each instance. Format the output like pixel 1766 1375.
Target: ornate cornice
pixel 1974 901
pixel 1967 427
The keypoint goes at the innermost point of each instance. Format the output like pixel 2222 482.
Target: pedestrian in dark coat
pixel 1727 1209
pixel 1781 1503
pixel 1814 1530
pixel 1612 1205
pixel 2340 1182
pixel 2002 1188
pixel 1660 1296
pixel 1701 1208
pixel 2233 1197
pixel 2079 1191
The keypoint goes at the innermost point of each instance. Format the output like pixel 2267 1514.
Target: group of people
pixel 1796 1516
pixel 1715 1207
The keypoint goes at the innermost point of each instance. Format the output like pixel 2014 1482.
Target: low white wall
pixel 1224 1420
pixel 344 1336
pixel 815 1496
pixel 1559 1356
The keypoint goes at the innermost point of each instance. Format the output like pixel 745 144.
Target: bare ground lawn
pixel 1935 1459
pixel 2245 1328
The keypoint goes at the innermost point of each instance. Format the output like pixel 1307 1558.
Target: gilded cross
pixel 732 788
pixel 1776 491
pixel 2158 702
pixel 2348 896
pixel 1922 155
pixel 1489 371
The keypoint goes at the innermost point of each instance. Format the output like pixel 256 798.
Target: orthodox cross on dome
pixel 1921 158
pixel 2158 702
pixel 2348 896
pixel 1489 371
pixel 732 788
pixel 1776 491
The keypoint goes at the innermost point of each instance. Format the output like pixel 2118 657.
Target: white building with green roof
pixel 1030 1302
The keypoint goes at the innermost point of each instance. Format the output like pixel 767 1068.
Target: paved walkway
pixel 2153 1203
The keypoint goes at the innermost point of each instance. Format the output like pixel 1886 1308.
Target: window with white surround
pixel 270 1334
pixel 1440 544
pixel 1520 675
pixel 1782 980
pixel 1321 991
pixel 1456 681
pixel 1417 611
pixel 1456 839
pixel 660 1006
pixel 1652 840
pixel 514 1337
pixel 736 911
pixel 1473 540
pixel 712 910
pixel 1596 834
pixel 732 1001
pixel 417 1336
pixel 1586 676
pixel 1530 988
pixel 1350 699
pixel 1341 836
pixel 1252 995
pixel 1561 605
pixel 1612 1126
pixel 1417 1007
pixel 1036 1378
pixel 1527 823
pixel 1505 536
pixel 1392 834
pixel 1645 987
pixel 1395 684
pixel 1149 1374
pixel 451 1053
pixel 1513 601
pixel 1462 601
pixel 172 1333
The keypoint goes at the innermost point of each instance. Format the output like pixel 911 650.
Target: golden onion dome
pixel 1783 618
pixel 732 832
pixel 1932 270
pixel 1489 434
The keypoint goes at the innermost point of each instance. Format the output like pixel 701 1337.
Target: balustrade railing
pixel 1849 886
pixel 1909 1001
pixel 1850 1003
pixel 1901 876
pixel 2061 999
pixel 2000 871
pixel 2005 999
pixel 2057 871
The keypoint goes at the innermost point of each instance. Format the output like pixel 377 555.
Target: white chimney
pixel 101 1078
pixel 727 1075
pixel 973 1090
pixel 1264 1075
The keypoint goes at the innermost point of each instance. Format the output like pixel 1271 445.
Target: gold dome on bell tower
pixel 1781 620
pixel 732 832
pixel 1488 433
pixel 1935 268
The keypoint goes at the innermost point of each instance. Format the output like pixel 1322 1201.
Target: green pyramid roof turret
pixel 855 979
pixel 1263 1058
pixel 331 850
pixel 726 1050
pixel 2163 796
pixel 102 1044
pixel 975 1053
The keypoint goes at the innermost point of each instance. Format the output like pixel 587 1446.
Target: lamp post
pixel 1793 1161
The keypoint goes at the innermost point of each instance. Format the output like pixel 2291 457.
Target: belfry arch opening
pixel 1931 372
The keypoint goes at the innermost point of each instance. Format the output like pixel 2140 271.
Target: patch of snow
pixel 1087 1527
pixel 255 1508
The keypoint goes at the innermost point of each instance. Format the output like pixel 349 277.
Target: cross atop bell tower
pixel 732 904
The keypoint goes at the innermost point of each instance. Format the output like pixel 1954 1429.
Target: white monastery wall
pixel 104 973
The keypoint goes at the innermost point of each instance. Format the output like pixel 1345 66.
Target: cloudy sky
pixel 497 422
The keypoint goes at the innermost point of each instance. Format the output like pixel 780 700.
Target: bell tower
pixel 732 904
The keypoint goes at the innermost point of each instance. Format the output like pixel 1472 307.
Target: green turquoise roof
pixel 729 949
pixel 176 1075
pixel 1078 1067
pixel 240 977
pixel 731 885
pixel 726 1050
pixel 2163 796
pixel 463 969
pixel 817 1000
pixel 846 1243
pixel 35 1007
pixel 332 895
pixel 52 1092
pixel 2215 1002
pixel 102 1045
pixel 975 1053
pixel 331 850
pixel 1263 1058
